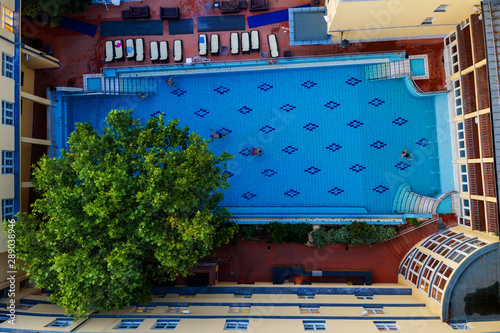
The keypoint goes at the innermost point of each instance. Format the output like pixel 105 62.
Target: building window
pixel 236 325
pixel 24 306
pixel 428 271
pixel 128 325
pixel 464 183
pixel 437 239
pixel 428 20
pixel 7 162
pixel 60 323
pixel 7 65
pixel 186 296
pixel 365 297
pixel 415 266
pixel 242 296
pixel 404 266
pixel 457 93
pixel 7 209
pixel 177 309
pixel 4 292
pixel 7 113
pixel 306 296
pixel 309 310
pixel 461 140
pixel 147 309
pixel 8 19
pixel 314 325
pixel 450 244
pixel 375 311
pixel 439 282
pixel 165 324
pixel 465 218
pixel 460 326
pixel 386 326
pixel 464 250
pixel 441 8
pixel 239 309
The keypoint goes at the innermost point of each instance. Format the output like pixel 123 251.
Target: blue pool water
pixel 332 142
pixel 94 84
pixel 417 67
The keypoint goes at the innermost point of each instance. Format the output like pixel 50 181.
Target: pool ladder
pixel 130 86
pixel 388 70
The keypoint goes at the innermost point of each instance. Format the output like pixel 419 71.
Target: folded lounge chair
pixel 130 49
pixel 202 45
pixel 235 43
pixel 164 51
pixel 110 53
pixel 177 50
pixel 139 49
pixel 153 51
pixel 245 43
pixel 273 46
pixel 118 49
pixel 214 44
pixel 255 40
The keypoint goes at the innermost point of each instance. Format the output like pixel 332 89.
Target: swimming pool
pixel 332 142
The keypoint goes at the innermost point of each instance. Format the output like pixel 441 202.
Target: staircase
pixel 130 86
pixel 406 201
pixel 388 70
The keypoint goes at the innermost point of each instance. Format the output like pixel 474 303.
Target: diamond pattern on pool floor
pixel 329 139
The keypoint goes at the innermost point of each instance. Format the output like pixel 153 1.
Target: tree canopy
pixel 52 9
pixel 119 208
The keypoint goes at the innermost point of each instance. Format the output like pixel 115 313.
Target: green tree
pixel 51 10
pixel 121 209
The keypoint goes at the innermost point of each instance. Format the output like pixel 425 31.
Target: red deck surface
pixel 82 54
pixel 250 261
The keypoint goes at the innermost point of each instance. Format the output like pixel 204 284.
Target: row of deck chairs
pixel 158 51
pixel 250 42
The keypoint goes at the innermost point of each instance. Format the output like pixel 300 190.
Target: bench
pixel 169 13
pixel 134 13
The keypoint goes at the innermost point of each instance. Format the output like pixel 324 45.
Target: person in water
pixel 214 135
pixel 170 82
pixel 254 151
pixel 407 155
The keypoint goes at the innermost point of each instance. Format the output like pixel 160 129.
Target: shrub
pixel 248 231
pixel 263 232
pixel 357 233
pixel 298 233
pixel 278 232
pixel 413 221
pixel 320 238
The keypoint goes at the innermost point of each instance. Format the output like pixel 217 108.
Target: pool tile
pixel 353 81
pixel 399 121
pixel 376 102
pixel 245 110
pixel 289 150
pixel 267 129
pixel 380 189
pixel 291 193
pixel 308 84
pixel 269 172
pixel 287 107
pixel 312 170
pixel 336 191
pixel 402 166
pixel 249 195
pixel 178 92
pixel 221 90
pixel 201 113
pixel 423 142
pixel 357 168
pixel 334 147
pixel 332 105
pixel 378 144
pixel 265 87
pixel 310 127
pixel 355 124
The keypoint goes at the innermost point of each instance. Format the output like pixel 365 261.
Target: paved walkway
pixel 81 54
pixel 252 261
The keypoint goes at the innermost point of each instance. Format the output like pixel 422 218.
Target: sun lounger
pixel 177 50
pixel 164 51
pixel 235 43
pixel 139 49
pixel 255 40
pixel 118 49
pixel 153 51
pixel 202 45
pixel 245 43
pixel 110 53
pixel 214 44
pixel 130 49
pixel 273 46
